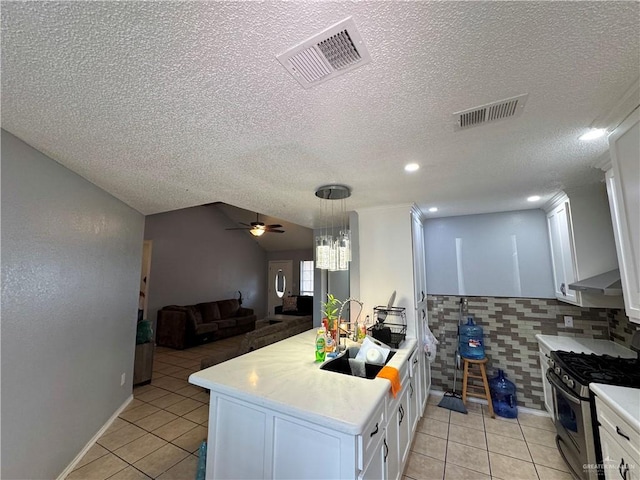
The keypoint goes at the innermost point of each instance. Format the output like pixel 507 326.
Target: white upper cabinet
pixel 623 185
pixel 582 244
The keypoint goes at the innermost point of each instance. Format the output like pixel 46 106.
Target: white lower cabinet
pixel 250 441
pixel 247 441
pixel 620 444
pixel 618 463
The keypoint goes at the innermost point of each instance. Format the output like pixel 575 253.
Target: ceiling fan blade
pixel 275 231
pixel 275 225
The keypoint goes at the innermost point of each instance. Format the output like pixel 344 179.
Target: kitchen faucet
pixel 352 327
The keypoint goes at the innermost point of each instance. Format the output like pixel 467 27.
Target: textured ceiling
pixel 173 104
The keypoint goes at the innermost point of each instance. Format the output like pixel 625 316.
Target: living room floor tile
pixel 191 440
pixel 174 429
pixel 156 420
pixel 139 413
pixel 189 391
pixel 152 394
pixel 184 406
pixel 99 469
pixel 199 415
pixel 161 460
pixel 167 400
pixel 126 434
pixel 143 446
pixel 186 469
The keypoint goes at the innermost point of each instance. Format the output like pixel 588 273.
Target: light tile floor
pixel 159 434
pixel 452 446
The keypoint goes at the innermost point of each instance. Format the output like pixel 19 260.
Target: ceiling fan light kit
pixel 333 252
pixel 258 228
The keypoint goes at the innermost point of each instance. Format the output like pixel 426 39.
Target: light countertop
pixel 622 400
pixel 585 345
pixel 284 377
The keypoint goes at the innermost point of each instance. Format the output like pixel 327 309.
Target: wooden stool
pixel 475 391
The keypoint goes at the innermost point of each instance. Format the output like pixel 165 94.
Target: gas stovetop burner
pixel 588 367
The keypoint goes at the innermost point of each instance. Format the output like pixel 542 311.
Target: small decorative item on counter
pixel 330 344
pixel 321 342
pixel 471 340
pixel 503 396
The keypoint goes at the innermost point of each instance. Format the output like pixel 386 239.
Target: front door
pixel 279 282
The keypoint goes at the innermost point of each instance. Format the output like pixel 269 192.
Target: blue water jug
pixel 503 396
pixel 471 340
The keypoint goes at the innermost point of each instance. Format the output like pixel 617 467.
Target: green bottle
pixel 321 342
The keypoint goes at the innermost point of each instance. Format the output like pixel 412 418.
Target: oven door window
pixel 566 414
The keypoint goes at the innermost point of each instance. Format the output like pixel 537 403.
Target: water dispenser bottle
pixel 503 396
pixel 471 340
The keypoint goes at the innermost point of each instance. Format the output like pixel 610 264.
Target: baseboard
pixel 94 439
pixel 530 411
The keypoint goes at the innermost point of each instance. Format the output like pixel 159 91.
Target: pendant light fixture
pixel 333 244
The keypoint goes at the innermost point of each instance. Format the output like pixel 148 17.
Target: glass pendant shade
pixel 333 252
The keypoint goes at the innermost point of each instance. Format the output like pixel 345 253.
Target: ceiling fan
pixel 258 228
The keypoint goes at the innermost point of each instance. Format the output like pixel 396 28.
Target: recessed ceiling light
pixel 533 198
pixel 593 134
pixel 411 167
pixel 433 209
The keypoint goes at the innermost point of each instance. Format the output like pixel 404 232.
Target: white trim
pixel 530 411
pixel 94 439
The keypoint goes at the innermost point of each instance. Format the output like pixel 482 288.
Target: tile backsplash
pixel 620 328
pixel 510 326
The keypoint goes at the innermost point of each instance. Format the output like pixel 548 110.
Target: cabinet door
pixel 546 386
pixel 414 401
pixel 623 186
pixel 392 457
pixel 559 221
pixel 617 462
pixel 377 468
pixel 404 425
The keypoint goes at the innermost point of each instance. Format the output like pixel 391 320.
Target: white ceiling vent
pixel 492 112
pixel 330 53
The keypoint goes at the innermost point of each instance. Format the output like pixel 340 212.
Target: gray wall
pixel 196 260
pixel 71 258
pixel 297 256
pixel 501 254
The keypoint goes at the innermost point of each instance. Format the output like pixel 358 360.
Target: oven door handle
pixel 555 382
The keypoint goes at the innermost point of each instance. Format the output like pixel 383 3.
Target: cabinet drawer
pixel 372 433
pixel 619 429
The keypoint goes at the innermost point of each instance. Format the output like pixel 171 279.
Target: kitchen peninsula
pixel 275 414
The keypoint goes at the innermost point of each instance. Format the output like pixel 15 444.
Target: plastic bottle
pixel 503 396
pixel 202 461
pixel 321 343
pixel 471 340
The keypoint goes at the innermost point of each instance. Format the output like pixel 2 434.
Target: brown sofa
pixel 261 337
pixel 185 326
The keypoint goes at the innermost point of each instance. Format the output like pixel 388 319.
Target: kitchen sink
pixel 341 364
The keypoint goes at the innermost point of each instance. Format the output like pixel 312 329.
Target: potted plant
pixel 330 313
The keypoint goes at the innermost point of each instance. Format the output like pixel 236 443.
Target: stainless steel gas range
pixel 570 374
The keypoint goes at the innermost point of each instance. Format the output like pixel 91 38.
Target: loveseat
pixel 185 326
pixel 261 337
pixel 298 305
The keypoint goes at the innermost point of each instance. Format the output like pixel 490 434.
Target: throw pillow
pixel 210 311
pixel 289 304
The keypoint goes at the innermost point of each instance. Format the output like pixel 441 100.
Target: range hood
pixel 606 284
